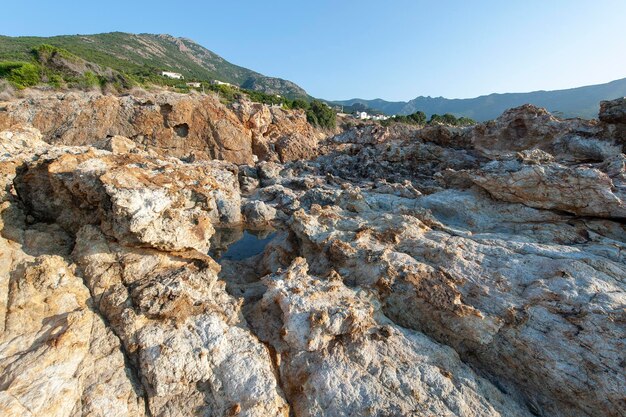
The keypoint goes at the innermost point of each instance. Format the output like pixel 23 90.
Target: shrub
pixel 320 115
pixel 20 74
pixel 56 81
pixel 8 66
pixel 466 121
pixel 90 79
pixel 261 97
pixel 300 104
pixel 44 52
pixel 418 117
pixel 227 94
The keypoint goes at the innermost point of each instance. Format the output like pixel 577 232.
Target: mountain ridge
pixel 572 102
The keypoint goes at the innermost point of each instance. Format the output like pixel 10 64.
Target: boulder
pixel 583 190
pixel 613 111
pixel 117 144
pixel 257 213
pixel 135 198
pixel 58 357
pixel 181 329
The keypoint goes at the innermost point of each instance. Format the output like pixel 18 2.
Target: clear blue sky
pixel 394 50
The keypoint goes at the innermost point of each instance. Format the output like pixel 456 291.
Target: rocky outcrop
pixel 613 114
pixel 136 291
pixel 526 127
pixel 190 126
pixel 278 135
pixel 507 278
pixel 58 356
pixel 134 198
pixel 342 343
pixel 585 190
pixel 441 271
pixel 495 292
pixel 181 329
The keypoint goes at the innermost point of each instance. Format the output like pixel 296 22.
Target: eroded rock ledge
pixel 190 126
pixel 415 272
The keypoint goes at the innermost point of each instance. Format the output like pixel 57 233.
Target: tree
pixel 419 117
pixel 435 119
pixel 449 119
pixel 320 115
pixel 466 121
pixel 300 104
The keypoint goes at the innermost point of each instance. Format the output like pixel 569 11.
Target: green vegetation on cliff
pixel 58 67
pixel 318 113
pixel 321 115
pixel 47 64
pixel 20 74
pixel 139 59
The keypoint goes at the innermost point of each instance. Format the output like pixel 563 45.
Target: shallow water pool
pixel 235 244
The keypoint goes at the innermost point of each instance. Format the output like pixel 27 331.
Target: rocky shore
pixel 441 271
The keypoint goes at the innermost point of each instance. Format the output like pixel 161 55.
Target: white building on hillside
pixel 174 75
pixel 218 82
pixel 361 115
pixel 194 85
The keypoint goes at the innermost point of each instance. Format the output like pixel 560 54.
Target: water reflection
pixel 238 243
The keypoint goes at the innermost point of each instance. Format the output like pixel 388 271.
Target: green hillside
pixel 141 57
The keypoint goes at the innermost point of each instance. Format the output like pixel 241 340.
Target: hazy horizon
pixel 365 50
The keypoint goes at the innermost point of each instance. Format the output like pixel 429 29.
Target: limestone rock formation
pixel 583 190
pixel 140 228
pixel 191 126
pixel 342 343
pixel 473 271
pixel 58 356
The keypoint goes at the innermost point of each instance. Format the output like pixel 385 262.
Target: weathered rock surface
pixel 613 111
pixel 190 126
pixel 426 272
pixel 135 198
pixel 522 305
pixel 58 358
pixel 181 329
pixel 584 190
pixel 140 227
pixel 257 213
pixel 342 343
pixel 613 114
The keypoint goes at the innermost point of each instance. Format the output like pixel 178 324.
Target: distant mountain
pixel 575 102
pixel 135 54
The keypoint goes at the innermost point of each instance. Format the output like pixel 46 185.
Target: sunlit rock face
pixel 190 126
pixel 441 271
